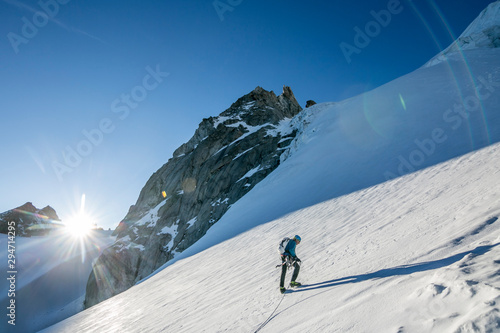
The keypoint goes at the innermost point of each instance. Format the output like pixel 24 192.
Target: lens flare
pixel 403 103
pixel 80 224
pixel 459 70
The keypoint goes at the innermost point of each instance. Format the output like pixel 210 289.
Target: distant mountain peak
pixel 29 220
pixel 483 32
pixel 27 207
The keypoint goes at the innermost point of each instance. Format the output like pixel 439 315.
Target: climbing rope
pixel 270 316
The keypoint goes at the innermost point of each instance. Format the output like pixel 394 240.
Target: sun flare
pixel 80 225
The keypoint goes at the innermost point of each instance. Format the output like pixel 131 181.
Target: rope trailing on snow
pixel 289 263
pixel 271 316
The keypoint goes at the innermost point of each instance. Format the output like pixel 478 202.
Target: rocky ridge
pixel 29 220
pixel 226 157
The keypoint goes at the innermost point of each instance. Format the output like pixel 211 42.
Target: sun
pixel 79 225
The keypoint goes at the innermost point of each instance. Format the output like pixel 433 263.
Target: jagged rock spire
pixel 226 157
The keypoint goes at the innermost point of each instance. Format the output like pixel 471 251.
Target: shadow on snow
pixel 399 270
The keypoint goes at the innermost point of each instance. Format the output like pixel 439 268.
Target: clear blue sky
pixel 100 68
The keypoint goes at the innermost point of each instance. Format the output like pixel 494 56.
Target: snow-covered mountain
pixel 227 156
pixel 484 32
pixel 394 194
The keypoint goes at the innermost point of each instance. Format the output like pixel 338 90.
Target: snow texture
pixel 397 207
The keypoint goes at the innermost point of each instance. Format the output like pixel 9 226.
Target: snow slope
pixel 418 253
pixel 484 32
pixel 394 194
pixel 51 279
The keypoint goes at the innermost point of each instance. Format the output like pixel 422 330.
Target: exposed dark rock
pixel 310 103
pixel 226 157
pixel 29 220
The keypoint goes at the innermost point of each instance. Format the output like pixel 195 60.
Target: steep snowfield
pixel 415 254
pixel 395 195
pixel 418 254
